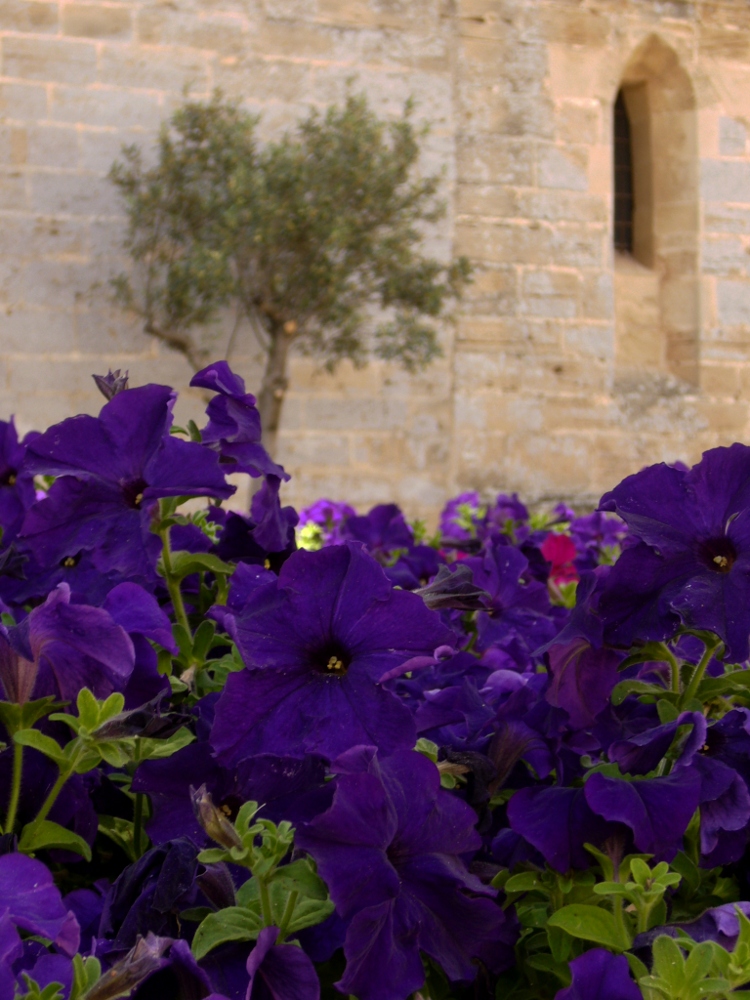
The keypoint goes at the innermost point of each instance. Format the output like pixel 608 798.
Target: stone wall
pixel 566 367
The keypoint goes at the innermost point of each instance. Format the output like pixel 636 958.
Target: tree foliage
pixel 314 239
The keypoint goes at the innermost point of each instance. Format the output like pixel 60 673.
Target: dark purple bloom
pixel 17 491
pixel 657 810
pixel 233 428
pixel 280 971
pixel 330 516
pixel 315 644
pixel 113 469
pixel 692 565
pixel 462 516
pixel 558 822
pixel 390 850
pixel 32 901
pixel 516 608
pixel 600 975
pixel 383 531
pixel 582 680
pixel 288 788
pixel 60 648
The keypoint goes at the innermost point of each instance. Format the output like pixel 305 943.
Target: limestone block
pixel 23 102
pixel 107 331
pixel 597 295
pixel 732 136
pixel 725 255
pixel 733 302
pixel 97 20
pixel 162 25
pixel 578 121
pixel 30 237
pixel 48 59
pixel 36 330
pixel 104 107
pixel 722 218
pixel 13 191
pixel 725 180
pixel 30 15
pixel 549 293
pixel 486 199
pixel 724 43
pixel 52 146
pixel 491 159
pixel 76 193
pixel 595 339
pixel 141 67
pixel 721 381
pixel 563 167
pixel 361 414
pixel 574 27
pixel 315 449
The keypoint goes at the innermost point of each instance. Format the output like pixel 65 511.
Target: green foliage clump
pixel 314 239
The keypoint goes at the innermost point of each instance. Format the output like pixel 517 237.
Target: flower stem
pixel 52 796
pixel 288 911
pixel 265 903
pixel 173 586
pixel 15 788
pixel 699 671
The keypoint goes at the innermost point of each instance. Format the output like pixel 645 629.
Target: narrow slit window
pixel 623 171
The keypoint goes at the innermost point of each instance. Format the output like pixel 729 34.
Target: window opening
pixel 623 171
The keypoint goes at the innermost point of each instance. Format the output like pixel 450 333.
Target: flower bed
pixel 266 755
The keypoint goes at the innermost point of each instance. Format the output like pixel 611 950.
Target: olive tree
pixel 315 240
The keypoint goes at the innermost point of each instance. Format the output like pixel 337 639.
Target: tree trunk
pixel 274 386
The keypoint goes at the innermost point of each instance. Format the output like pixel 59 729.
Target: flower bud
pixel 213 820
pixel 142 959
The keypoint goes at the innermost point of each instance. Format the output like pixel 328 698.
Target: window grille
pixel 624 201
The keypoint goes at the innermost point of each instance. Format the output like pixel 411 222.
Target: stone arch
pixel 658 284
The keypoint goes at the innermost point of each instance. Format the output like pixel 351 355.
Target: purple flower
pixel 33 902
pixel 383 530
pixel 111 384
pixel 280 971
pixel 692 565
pixel 113 469
pixel 315 643
pixel 517 609
pixel 390 850
pixel 600 975
pixel 657 810
pixel 233 428
pixel 17 492
pixel 330 516
pixel 60 648
pixel 462 516
pixel 582 680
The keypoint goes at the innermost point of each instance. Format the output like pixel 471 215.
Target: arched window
pixel 655 217
pixel 623 175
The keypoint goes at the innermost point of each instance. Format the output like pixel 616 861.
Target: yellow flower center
pixel 335 665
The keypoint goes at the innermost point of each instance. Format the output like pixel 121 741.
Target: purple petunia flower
pixel 600 975
pixel 17 491
pixel 389 849
pixel 316 642
pixel 330 516
pixel 113 469
pixel 233 428
pixel 60 648
pixel 33 902
pixel 280 971
pixel 692 563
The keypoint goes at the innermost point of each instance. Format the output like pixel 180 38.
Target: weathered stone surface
pixel 564 368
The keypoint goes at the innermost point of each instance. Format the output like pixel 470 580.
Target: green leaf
pixel 525 882
pixel 624 688
pixel 38 836
pixel 88 709
pixel 301 877
pixel 590 923
pixel 186 563
pixel 152 749
pixel 121 832
pixel 234 923
pixel 115 752
pixel 308 913
pixel 39 741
